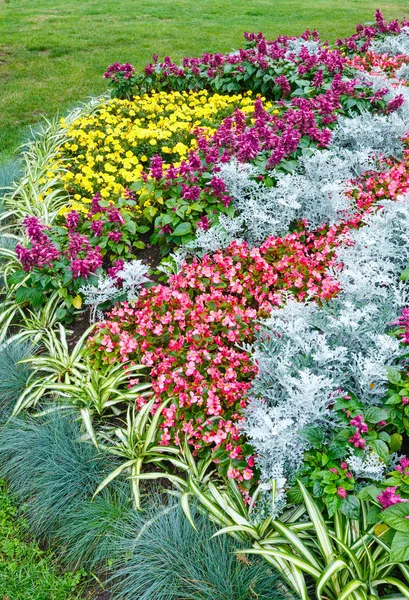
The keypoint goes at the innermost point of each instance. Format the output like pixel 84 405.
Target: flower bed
pixel 265 375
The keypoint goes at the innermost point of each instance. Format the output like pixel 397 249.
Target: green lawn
pixel 53 52
pixel 26 572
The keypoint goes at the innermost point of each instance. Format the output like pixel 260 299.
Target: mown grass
pixel 53 52
pixel 27 572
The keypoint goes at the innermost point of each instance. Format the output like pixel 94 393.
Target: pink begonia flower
pixel 247 474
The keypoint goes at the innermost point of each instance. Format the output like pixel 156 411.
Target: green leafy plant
pixel 137 444
pixel 58 365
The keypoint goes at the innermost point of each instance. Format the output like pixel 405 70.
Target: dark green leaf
pixel 396 516
pixel 351 507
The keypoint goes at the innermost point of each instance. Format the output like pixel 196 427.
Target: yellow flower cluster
pixel 108 149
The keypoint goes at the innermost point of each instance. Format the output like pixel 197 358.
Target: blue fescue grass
pixel 159 555
pixel 50 469
pixel 150 555
pixel 9 173
pixel 13 375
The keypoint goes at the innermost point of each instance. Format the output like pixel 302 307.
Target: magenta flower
pixel 115 236
pixel 359 423
pixel 97 227
pixel 356 440
pixel 389 497
pixel 126 71
pixel 72 218
pixel 157 167
pixel 204 223
pixel 115 216
pixel 403 466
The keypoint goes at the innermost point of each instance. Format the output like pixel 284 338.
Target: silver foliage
pixel 295 46
pixel 307 354
pixel 94 295
pixel 392 44
pixel 133 276
pixel 316 189
pixel 380 133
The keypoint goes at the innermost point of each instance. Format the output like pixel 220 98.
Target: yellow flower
pixel 105 152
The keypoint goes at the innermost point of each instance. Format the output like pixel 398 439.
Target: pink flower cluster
pixel 80 256
pixel 84 258
pixel 389 497
pixel 187 333
pixel 126 71
pixel 259 52
pixel 403 323
pixel 373 63
pixel 391 183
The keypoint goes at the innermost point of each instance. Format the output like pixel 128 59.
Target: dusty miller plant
pixel 392 44
pixel 308 354
pixel 132 276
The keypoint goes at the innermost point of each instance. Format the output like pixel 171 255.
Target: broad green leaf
pixel 374 515
pixel 182 229
pixel 381 450
pixel 369 492
pixel 396 442
pixel 375 414
pixel 405 274
pixel 397 516
pixel 394 375
pixel 350 507
pixel 315 435
pixel 400 547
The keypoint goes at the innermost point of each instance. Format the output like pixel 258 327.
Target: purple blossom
pixel 97 227
pixel 203 223
pixel 395 103
pixel 115 216
pixel 115 236
pixel 389 497
pixel 117 265
pixel 126 71
pixel 157 167
pixel 72 218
